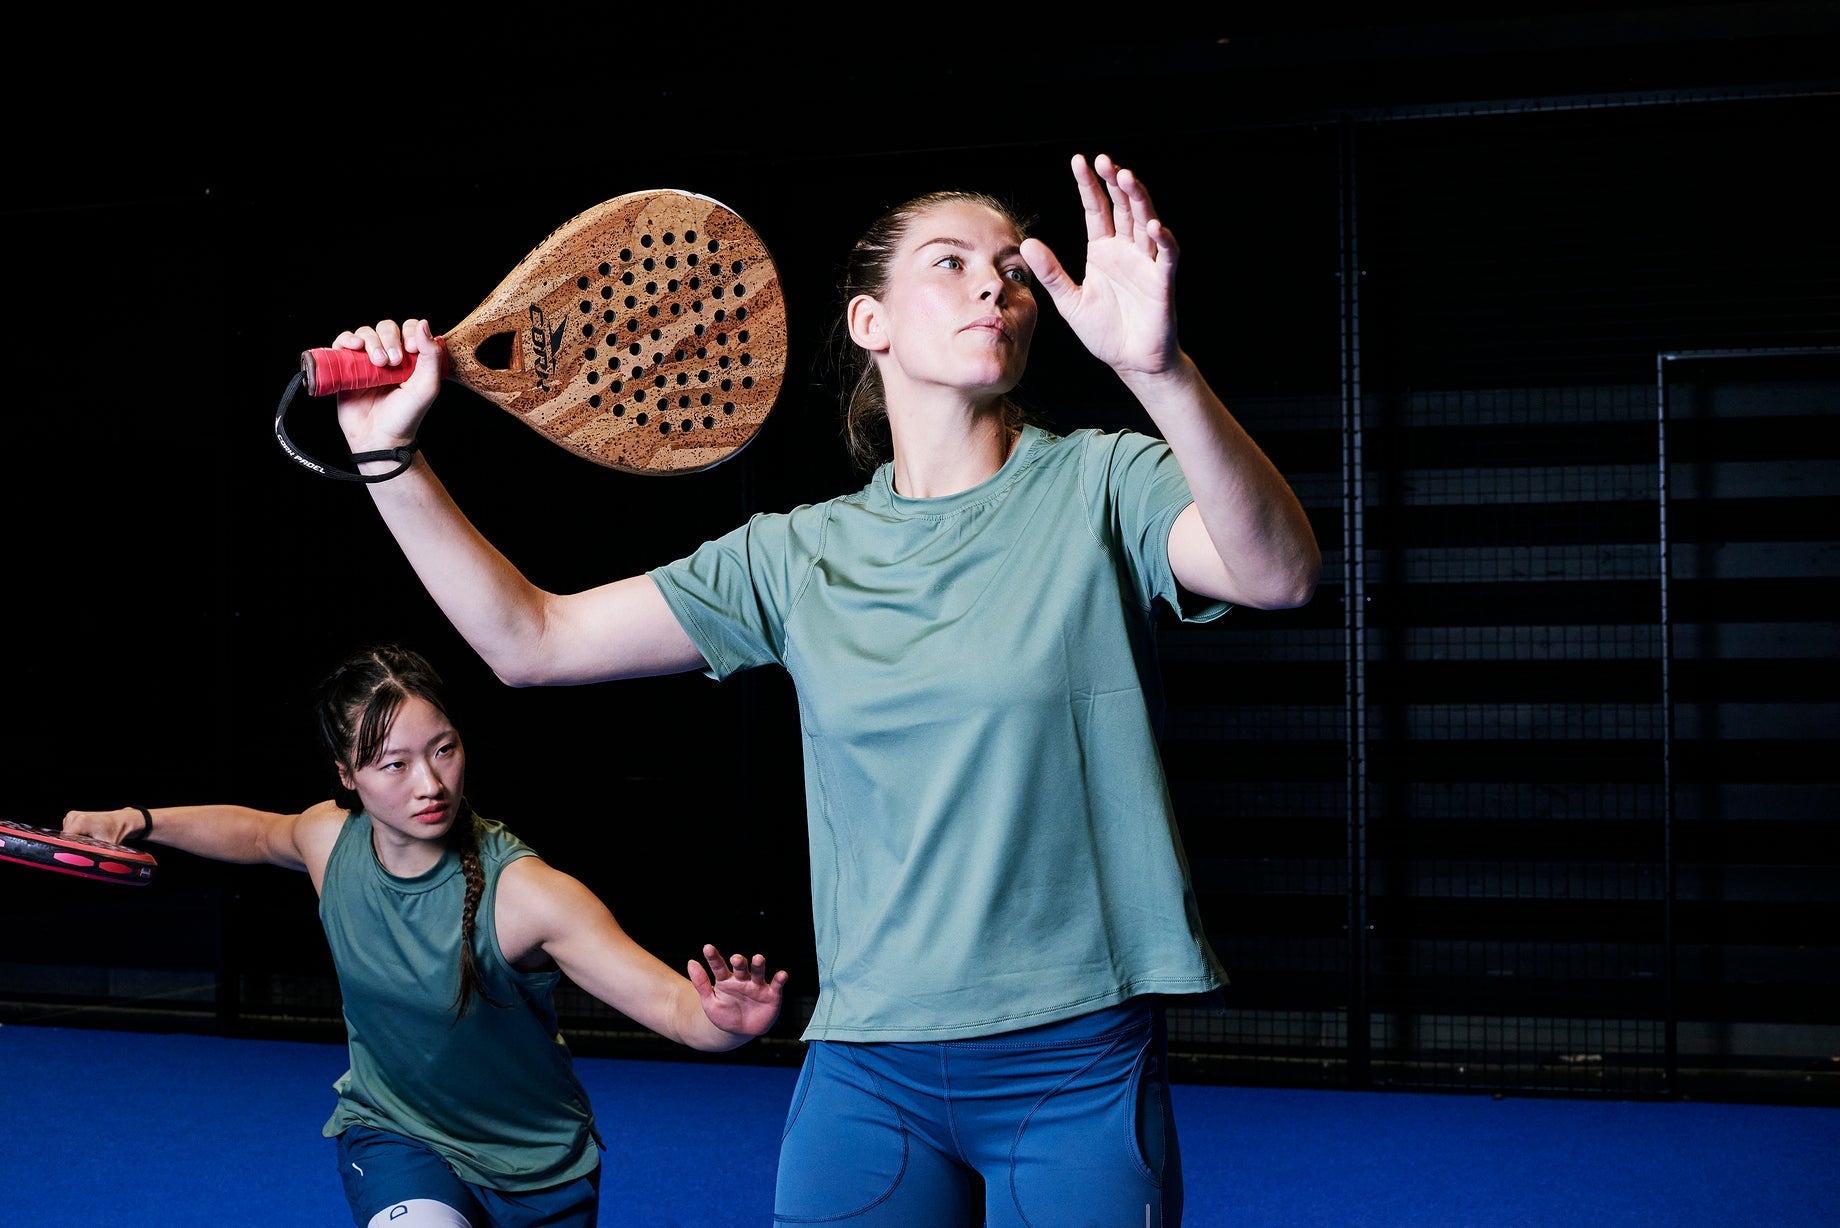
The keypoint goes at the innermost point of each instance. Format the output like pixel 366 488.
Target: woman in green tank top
pixel 450 935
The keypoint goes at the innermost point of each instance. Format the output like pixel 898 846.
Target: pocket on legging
pixel 844 1149
pixel 1092 1151
pixel 1150 1092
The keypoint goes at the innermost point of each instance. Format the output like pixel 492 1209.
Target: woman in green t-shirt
pixel 1001 901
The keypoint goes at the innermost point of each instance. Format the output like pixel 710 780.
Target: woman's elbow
pixel 1304 582
pixel 1291 587
pixel 524 671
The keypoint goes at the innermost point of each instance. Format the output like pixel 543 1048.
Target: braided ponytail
pixel 464 837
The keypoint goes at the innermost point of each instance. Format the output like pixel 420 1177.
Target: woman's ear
pixel 345 776
pixel 865 320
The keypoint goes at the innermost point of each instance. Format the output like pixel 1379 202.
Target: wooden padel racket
pixel 45 848
pixel 647 334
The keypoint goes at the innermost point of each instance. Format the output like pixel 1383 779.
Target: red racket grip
pixel 331 370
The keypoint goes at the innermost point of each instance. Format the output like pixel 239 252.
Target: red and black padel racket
pixel 44 848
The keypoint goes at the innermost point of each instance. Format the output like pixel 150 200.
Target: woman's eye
pixel 951 262
pixel 1019 275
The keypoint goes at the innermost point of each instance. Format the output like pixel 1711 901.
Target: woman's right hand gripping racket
pixel 647 334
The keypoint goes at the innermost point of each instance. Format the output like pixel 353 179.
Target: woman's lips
pixel 990 324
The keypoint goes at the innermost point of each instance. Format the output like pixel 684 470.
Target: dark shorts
pixel 1068 1123
pixel 381 1169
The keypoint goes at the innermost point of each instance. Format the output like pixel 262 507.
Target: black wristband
pixel 144 832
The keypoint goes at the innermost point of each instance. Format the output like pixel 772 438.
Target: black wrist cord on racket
pixel 403 456
pixel 146 827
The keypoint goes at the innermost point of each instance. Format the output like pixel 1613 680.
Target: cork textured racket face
pixel 647 334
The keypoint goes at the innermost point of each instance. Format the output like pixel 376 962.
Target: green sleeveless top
pixel 496 1093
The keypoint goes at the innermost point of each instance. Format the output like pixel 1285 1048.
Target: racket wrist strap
pixel 146 827
pixel 403 456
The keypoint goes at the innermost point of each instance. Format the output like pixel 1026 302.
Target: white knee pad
pixel 419 1213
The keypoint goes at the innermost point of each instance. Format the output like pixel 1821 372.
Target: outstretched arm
pixel 1246 539
pixel 544 913
pixel 529 636
pixel 224 833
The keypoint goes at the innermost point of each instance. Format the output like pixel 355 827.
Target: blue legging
pixel 380 1169
pixel 1057 1126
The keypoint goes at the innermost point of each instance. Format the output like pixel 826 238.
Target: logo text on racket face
pixel 544 342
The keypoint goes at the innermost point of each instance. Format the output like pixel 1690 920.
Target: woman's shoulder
pixel 1088 438
pixel 820 509
pixel 1111 437
pixel 1091 448
pixel 497 842
pixel 321 828
pixel 802 524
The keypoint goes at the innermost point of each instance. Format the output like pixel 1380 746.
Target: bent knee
pixel 419 1213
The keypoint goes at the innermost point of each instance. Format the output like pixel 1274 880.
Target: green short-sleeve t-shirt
pixel 991 836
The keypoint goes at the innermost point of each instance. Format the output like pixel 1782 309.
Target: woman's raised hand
pixel 1124 312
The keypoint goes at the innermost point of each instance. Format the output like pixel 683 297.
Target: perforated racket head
pixel 45 848
pixel 647 334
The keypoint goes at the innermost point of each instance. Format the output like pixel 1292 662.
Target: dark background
pixel 179 226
